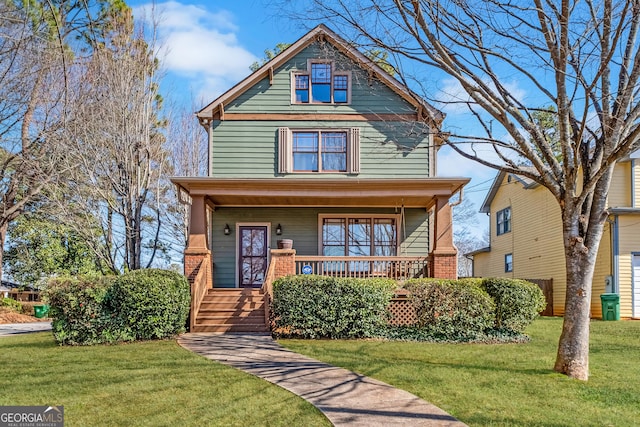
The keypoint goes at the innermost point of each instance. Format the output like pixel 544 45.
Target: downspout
pixel 633 183
pixel 456 203
pixel 615 254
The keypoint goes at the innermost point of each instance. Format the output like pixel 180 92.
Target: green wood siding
pixel 388 148
pixel 301 225
pixel 368 95
pixel 249 149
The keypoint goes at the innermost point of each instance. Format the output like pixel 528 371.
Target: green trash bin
pixel 41 310
pixel 610 306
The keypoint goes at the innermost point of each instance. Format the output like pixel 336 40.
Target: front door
pixel 252 259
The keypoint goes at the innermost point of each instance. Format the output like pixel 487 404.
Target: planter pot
pixel 285 244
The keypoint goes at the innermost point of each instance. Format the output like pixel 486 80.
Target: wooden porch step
pixel 232 310
pixel 229 320
pixel 231 328
pixel 231 305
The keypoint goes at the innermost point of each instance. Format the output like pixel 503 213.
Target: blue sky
pixel 209 46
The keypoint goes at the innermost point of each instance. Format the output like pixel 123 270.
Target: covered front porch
pixel 397 228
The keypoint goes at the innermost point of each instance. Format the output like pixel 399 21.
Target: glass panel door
pixel 253 255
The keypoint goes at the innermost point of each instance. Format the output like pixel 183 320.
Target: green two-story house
pixel 320 148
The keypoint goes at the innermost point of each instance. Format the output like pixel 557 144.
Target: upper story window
pixel 319 150
pixel 503 221
pixel 321 84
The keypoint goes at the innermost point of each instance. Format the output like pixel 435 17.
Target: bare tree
pixel 119 150
pixel 465 235
pixel 581 57
pixel 39 42
pixel 187 142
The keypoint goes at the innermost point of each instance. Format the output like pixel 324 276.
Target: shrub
pixel 27 307
pixel 311 306
pixel 78 310
pixel 450 310
pixel 150 304
pixel 12 304
pixel 518 302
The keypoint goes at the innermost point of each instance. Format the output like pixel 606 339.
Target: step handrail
pixel 267 290
pixel 198 291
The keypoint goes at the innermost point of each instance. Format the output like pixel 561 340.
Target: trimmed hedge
pixel 518 302
pixel 311 306
pixel 151 303
pixel 79 312
pixel 142 304
pixel 451 310
pixel 481 310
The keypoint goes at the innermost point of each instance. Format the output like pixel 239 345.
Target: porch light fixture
pixel 227 230
pixel 279 230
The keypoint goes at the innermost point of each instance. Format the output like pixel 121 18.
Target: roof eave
pixel 209 110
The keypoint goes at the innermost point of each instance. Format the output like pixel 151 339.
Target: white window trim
pixel 307 72
pixel 285 150
pixel 346 217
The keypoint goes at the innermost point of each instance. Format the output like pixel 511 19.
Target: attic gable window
pixel 321 84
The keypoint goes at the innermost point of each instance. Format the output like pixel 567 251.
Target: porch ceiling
pixel 301 192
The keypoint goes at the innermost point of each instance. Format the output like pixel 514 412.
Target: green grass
pixel 505 384
pixel 154 383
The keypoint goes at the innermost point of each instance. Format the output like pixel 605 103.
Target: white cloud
pixel 450 163
pixel 200 46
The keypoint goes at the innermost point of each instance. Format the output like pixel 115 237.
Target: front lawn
pixel 505 384
pixel 159 383
pixel 154 383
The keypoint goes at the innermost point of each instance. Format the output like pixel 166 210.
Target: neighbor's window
pixel 321 85
pixel 503 221
pixel 508 263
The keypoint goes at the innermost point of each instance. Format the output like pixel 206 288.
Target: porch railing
pixel 395 267
pixel 198 291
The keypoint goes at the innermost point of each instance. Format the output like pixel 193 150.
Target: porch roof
pixel 307 192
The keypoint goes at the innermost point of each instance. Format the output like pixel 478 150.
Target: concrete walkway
pixel 23 328
pixel 345 398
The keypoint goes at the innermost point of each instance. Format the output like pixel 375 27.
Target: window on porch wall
pixel 358 237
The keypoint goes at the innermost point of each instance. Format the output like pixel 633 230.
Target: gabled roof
pixel 497 183
pixel 321 32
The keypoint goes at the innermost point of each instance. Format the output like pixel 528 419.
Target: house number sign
pixel 307 269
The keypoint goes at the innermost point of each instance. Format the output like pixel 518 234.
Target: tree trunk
pixel 573 349
pixel 580 255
